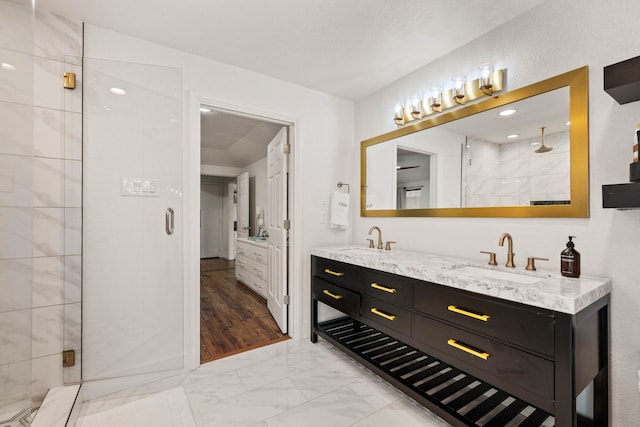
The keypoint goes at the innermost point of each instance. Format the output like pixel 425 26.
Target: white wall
pixel 321 147
pixel 447 147
pixel 556 37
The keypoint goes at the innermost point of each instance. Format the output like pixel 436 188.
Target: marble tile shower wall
pixel 514 175
pixel 482 173
pixel 40 200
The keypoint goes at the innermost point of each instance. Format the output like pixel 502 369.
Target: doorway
pixel 234 314
pixel 211 217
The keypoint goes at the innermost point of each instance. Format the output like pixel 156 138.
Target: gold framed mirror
pixel 481 161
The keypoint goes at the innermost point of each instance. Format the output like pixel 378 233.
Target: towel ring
pixel 340 184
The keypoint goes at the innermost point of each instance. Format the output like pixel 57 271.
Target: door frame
pixel 191 205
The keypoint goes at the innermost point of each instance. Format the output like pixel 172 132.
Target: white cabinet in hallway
pixel 251 264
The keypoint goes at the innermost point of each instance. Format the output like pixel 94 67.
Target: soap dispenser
pixel 570 260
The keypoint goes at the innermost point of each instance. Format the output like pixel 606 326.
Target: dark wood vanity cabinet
pixel 471 358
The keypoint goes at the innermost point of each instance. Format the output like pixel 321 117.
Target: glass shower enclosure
pixel 132 223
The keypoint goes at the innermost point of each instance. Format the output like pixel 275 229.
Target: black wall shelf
pixel 621 196
pixel 622 80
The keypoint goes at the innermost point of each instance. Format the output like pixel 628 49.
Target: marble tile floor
pixel 291 383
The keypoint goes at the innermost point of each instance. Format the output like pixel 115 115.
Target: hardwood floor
pixel 233 318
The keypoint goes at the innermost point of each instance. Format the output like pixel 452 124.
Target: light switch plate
pixel 139 187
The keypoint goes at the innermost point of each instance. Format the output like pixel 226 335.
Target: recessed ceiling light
pixel 205 110
pixel 8 67
pixel 117 91
pixel 513 135
pixel 505 113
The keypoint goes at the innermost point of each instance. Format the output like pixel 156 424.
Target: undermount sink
pixel 498 274
pixel 361 251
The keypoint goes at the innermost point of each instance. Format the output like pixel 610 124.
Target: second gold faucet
pixel 379 236
pixel 510 254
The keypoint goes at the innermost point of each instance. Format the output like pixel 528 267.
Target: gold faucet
pixel 379 235
pixel 510 253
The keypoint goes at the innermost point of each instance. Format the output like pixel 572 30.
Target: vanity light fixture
pixel 416 106
pixel 458 89
pixel 117 91
pixel 486 81
pixel 8 67
pixel 398 113
pixel 438 98
pixel 505 113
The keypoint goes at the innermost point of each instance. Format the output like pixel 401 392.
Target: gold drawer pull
pixel 483 355
pixel 334 296
pixel 483 317
pixel 333 273
pixel 383 288
pixel 381 314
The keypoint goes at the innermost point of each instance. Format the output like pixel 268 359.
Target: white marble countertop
pixel 552 291
pixel 260 243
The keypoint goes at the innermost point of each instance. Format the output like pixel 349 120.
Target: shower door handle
pixel 168 219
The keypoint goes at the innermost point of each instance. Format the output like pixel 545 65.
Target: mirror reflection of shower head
pixel 543 147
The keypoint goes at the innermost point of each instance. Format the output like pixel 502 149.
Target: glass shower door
pixel 16 211
pixel 132 220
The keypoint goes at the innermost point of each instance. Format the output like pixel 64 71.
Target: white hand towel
pixel 339 210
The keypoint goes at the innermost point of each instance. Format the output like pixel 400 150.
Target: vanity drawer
pixel 519 325
pixel 485 358
pixel 337 272
pixel 255 253
pixel 388 287
pixel 386 314
pixel 251 266
pixel 255 283
pixel 337 297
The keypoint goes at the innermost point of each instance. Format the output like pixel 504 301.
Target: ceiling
pixel 348 48
pixel 233 140
pixel 549 109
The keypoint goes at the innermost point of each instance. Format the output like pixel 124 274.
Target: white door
pixel 210 221
pixel 243 205
pixel 132 221
pixel 277 197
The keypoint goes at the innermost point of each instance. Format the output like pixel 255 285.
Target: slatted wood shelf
pixel 447 391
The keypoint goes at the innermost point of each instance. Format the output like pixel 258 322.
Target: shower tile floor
pixel 291 383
